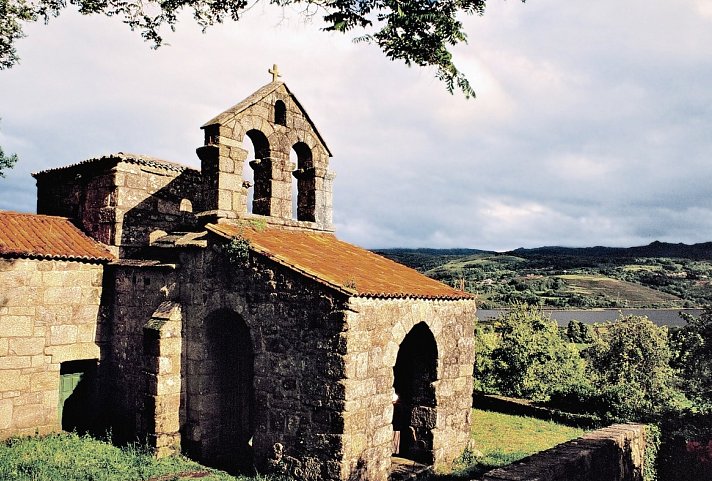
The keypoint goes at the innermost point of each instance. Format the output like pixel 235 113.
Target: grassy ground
pixel 69 457
pixel 503 439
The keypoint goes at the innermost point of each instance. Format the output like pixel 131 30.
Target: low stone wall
pixel 615 453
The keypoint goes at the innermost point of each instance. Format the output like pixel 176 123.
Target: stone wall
pixel 151 198
pixel 615 453
pixel 83 194
pixel 223 158
pixel 137 291
pixel 120 201
pixel 376 331
pixel 162 354
pixel 49 314
pixel 294 329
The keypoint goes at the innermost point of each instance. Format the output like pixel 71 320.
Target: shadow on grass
pixel 474 469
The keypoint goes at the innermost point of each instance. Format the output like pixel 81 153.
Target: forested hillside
pixel 654 276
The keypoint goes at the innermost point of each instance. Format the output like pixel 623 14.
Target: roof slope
pixel 340 265
pixel 44 236
pixel 255 97
pixel 111 159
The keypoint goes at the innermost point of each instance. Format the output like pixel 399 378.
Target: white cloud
pixel 591 124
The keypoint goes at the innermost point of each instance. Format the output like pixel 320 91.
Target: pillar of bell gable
pixel 323 197
pixel 221 160
pixel 281 200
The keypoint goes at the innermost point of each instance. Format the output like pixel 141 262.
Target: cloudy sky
pixel 592 123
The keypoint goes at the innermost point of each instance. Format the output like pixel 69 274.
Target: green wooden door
pixel 67 384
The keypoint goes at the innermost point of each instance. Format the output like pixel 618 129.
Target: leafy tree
pixel 6 162
pixel 486 341
pixel 578 332
pixel 531 359
pixel 629 365
pixel 417 32
pixel 692 357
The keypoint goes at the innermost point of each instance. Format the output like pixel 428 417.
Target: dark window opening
pixel 280 113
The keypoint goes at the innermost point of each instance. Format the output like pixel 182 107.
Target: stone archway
pixel 415 413
pixel 231 374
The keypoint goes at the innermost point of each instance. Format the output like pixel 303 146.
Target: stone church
pixel 196 310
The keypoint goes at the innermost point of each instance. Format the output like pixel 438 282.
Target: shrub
pixel 486 341
pixel 578 332
pixel 531 360
pixel 691 346
pixel 629 365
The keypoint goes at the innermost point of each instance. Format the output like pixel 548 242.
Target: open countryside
pixel 658 277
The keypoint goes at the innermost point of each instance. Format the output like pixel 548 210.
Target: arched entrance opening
pixel 232 370
pixel 414 412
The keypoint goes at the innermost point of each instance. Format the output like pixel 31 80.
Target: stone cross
pixel 275 72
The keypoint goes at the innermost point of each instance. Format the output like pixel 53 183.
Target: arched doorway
pixel 414 413
pixel 232 368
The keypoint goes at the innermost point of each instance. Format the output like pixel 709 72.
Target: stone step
pixel 408 470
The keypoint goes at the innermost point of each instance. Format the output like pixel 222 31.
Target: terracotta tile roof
pixel 111 159
pixel 44 236
pixel 341 265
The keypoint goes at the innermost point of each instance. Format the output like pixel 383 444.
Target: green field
pixel 624 292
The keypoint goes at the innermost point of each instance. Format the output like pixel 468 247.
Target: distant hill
pixel 654 276
pixel 432 251
pixel 702 251
pixel 424 259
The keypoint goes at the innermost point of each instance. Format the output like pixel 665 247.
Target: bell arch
pixel 230 382
pixel 415 408
pixel 261 173
pixel 306 183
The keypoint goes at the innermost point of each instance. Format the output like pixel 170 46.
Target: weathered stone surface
pixel 616 453
pixel 38 331
pixel 15 326
pixel 222 358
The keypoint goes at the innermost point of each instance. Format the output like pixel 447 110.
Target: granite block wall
pixel 49 314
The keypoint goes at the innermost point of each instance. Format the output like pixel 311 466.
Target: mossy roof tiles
pixel 49 237
pixel 343 266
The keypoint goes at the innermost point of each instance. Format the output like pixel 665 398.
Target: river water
pixel 661 317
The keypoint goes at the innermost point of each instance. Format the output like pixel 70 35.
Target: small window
pixel 186 205
pixel 280 113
